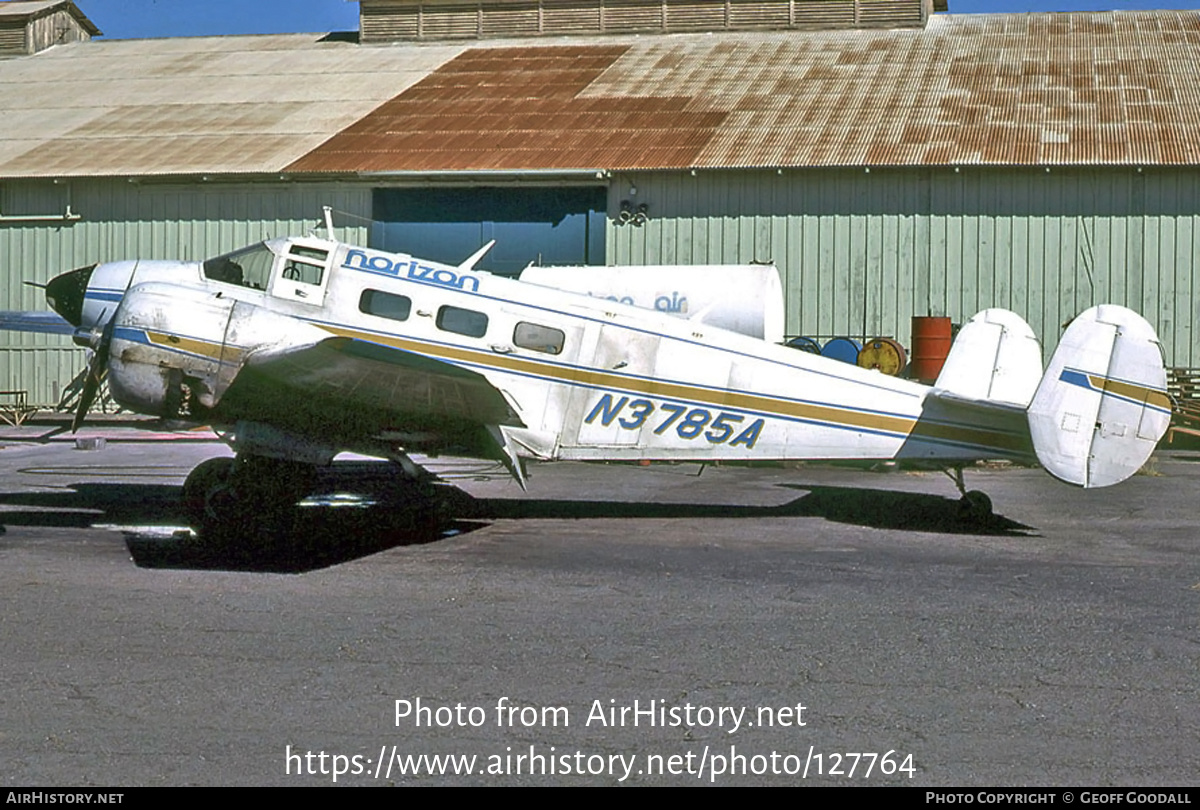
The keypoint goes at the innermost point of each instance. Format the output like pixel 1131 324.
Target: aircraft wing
pixel 44 322
pixel 352 390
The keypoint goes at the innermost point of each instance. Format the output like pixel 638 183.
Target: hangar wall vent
pixel 29 26
pixel 392 20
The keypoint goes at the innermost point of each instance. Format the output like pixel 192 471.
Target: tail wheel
pixel 975 507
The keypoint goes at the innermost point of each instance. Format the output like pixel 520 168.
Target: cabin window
pixel 539 338
pixel 249 267
pixel 385 305
pixel 462 321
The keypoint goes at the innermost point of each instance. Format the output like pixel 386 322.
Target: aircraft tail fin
pixel 995 359
pixel 1102 405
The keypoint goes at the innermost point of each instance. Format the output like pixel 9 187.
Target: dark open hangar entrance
pixel 547 225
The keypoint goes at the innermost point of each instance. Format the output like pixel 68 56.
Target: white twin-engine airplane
pixel 301 348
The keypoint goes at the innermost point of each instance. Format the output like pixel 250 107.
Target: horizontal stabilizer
pixel 1102 405
pixel 995 359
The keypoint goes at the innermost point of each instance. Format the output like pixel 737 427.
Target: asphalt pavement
pixel 616 624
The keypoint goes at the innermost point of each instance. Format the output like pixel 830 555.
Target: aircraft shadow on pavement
pixel 875 508
pixel 323 532
pixel 152 519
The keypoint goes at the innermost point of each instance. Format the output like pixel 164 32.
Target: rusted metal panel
pixel 517 109
pixel 1037 89
pixel 968 90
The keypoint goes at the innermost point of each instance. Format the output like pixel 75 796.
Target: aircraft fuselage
pixel 589 378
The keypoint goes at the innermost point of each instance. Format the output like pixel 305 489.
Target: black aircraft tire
pixel 975 507
pixel 203 481
pixel 271 484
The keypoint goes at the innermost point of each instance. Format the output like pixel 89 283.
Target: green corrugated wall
pixel 861 252
pixel 149 220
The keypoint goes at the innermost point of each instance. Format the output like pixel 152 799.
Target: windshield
pixel 248 267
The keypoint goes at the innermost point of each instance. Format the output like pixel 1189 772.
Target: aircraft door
pixel 302 274
pixel 607 412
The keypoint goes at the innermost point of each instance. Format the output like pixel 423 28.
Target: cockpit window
pixel 305 264
pixel 306 252
pixel 248 267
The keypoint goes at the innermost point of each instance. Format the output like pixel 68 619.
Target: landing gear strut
pixel 244 495
pixel 974 506
pixel 418 498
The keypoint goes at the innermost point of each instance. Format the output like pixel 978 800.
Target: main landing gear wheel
pixel 244 496
pixel 203 486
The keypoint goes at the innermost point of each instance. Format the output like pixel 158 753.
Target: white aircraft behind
pixel 301 348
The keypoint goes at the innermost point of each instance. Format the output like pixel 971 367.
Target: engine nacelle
pixel 175 350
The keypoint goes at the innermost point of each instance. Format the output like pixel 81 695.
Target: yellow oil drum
pixel 883 354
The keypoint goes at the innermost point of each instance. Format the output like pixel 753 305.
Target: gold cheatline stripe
pixel 1138 393
pixel 203 348
pixel 981 436
pixel 753 402
pixel 722 398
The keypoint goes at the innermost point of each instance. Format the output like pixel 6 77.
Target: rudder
pixel 995 358
pixel 1102 404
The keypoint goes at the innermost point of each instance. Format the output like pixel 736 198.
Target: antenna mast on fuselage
pixel 329 223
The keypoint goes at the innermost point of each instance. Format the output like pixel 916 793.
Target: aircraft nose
pixel 65 294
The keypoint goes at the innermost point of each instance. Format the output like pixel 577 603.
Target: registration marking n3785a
pixel 686 421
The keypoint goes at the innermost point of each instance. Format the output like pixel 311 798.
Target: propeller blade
pixel 90 386
pixel 97 369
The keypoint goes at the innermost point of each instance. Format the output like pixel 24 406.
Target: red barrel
pixel 930 345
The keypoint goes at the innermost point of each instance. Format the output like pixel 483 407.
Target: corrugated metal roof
pixel 1111 87
pixel 201 105
pixel 518 108
pixel 1078 88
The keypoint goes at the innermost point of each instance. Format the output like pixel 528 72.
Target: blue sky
pixel 122 19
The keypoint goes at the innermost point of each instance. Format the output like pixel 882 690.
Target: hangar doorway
pixel 546 225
